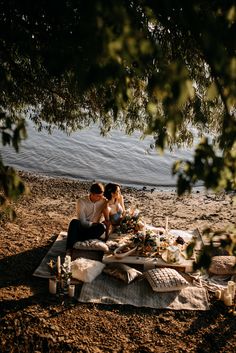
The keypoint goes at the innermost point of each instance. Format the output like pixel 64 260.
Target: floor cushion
pixel 122 272
pixel 91 244
pixel 223 265
pixel 165 279
pixel 86 270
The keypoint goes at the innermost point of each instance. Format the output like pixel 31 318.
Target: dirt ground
pixel 32 320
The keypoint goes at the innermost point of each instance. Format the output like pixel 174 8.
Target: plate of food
pixel 124 250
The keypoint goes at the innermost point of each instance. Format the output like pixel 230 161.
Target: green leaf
pixel 212 92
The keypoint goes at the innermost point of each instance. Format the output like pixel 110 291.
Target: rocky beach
pixel 33 321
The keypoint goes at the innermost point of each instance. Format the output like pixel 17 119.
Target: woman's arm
pixel 122 203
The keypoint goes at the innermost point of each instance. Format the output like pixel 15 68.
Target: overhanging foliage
pixel 157 66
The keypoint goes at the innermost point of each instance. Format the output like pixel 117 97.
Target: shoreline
pixel 198 209
pixel 145 187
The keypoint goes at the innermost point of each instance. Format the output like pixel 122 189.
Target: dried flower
pixel 130 223
pixel 65 273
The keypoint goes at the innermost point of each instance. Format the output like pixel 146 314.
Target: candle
pixel 71 290
pixel 231 288
pixel 167 228
pixel 218 294
pixel 225 293
pixel 228 300
pixel 59 265
pixel 158 240
pixel 52 286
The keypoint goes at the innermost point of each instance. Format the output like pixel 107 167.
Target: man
pixel 89 212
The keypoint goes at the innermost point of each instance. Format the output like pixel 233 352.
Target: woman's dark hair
pixel 109 189
pixel 97 188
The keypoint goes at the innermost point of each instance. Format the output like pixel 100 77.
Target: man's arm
pixel 107 220
pixel 81 215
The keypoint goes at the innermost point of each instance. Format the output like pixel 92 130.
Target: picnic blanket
pixel 59 249
pixel 107 290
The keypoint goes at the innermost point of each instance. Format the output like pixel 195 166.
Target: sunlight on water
pixel 85 155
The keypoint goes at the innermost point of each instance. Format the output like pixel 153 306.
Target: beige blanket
pixel 106 290
pixel 58 249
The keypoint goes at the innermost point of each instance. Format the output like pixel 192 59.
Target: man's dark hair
pixel 97 188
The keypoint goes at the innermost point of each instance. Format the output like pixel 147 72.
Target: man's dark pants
pixel 77 232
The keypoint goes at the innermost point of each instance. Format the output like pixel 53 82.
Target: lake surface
pixel 86 155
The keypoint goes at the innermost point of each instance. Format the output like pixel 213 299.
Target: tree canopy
pixel 167 68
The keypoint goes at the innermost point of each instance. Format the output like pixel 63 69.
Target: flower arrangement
pixel 61 273
pixel 66 270
pixel 145 241
pixel 131 222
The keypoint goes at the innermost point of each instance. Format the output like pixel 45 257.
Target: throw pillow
pixel 165 280
pixel 91 244
pixel 122 272
pixel 86 270
pixel 223 265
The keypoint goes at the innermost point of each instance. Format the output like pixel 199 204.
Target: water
pixel 85 155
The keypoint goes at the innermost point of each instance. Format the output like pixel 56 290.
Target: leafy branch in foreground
pixel 217 170
pixel 11 185
pixel 221 242
pixel 164 68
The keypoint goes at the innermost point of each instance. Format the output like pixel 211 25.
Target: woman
pixel 116 205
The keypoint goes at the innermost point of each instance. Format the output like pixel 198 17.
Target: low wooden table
pixel 186 265
pixel 149 262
